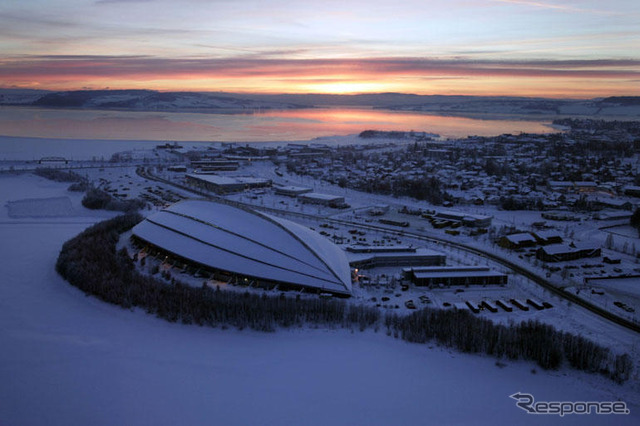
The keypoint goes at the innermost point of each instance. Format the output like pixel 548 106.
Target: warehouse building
pixel 208 166
pixel 471 220
pixel 517 241
pixel 225 184
pixel 376 256
pixel 323 199
pixel 431 276
pixel 564 252
pixel 291 191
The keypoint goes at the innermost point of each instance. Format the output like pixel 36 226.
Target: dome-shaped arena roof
pixel 248 243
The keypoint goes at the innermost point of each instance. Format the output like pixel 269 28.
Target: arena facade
pixel 242 244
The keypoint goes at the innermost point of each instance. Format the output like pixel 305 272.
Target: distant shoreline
pixel 519 116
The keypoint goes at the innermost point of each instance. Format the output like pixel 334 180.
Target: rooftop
pixel 226 238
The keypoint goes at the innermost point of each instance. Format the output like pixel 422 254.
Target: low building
pixel 471 220
pixel 547 237
pixel 379 209
pixel 225 184
pixel 430 276
pixel 632 190
pixel 565 252
pixel 612 203
pixel 586 186
pixel 177 169
pixel 567 186
pixel 559 215
pixel 323 199
pixel 516 241
pixel 291 191
pixel 613 215
pixel 53 160
pixel 208 166
pixel 560 186
pixel 375 256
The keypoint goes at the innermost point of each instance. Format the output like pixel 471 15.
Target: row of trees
pixel 78 183
pixel 58 175
pixel 90 262
pixel 529 340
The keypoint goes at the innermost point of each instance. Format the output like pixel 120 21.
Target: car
pixel 409 304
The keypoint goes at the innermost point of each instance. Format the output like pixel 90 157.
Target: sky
pixel 549 48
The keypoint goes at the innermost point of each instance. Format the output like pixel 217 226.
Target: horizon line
pixel 364 93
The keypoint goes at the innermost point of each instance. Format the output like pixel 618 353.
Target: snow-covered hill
pixel 143 100
pixel 613 106
pixel 20 96
pixel 148 100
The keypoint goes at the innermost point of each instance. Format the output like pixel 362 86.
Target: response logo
pixel 526 402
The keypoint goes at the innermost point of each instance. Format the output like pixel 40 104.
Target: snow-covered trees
pixel 98 199
pixel 528 340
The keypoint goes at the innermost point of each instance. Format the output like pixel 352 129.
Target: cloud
pixel 84 66
pixel 567 78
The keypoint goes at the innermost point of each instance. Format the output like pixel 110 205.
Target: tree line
pixel 78 183
pixel 528 340
pixel 91 262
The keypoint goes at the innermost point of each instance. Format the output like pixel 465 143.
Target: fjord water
pixel 257 126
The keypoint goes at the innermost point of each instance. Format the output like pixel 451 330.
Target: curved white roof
pixel 250 243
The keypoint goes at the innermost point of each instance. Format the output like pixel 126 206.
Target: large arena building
pixel 242 244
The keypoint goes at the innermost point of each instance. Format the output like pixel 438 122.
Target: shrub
pixel 96 199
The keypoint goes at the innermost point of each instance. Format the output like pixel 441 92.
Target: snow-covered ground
pixel 69 359
pixel 40 207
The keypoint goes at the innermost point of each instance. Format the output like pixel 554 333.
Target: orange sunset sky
pixel 549 48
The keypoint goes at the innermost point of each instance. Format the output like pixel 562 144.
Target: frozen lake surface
pixel 269 125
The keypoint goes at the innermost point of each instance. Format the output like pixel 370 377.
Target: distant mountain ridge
pixel 150 100
pixel 142 100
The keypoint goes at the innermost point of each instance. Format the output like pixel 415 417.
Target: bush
pixel 96 199
pixel 79 186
